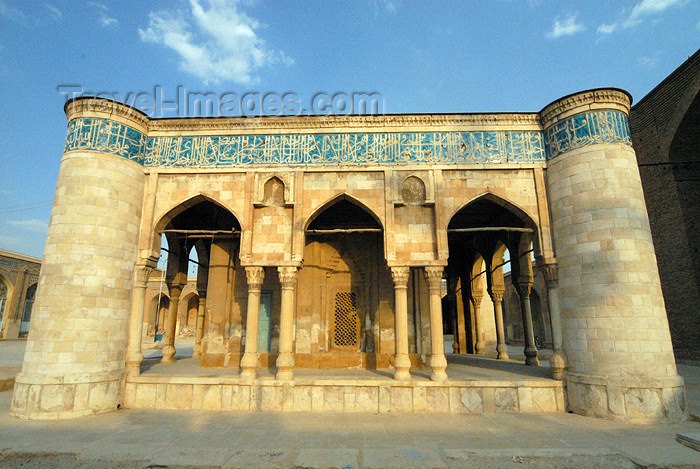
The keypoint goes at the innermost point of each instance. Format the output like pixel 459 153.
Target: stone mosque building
pixel 325 247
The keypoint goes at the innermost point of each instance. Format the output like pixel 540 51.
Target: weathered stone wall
pixel 664 126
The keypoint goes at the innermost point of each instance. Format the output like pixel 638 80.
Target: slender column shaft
pixel 134 356
pixel 402 364
pixel 199 332
pixel 478 340
pixel 170 324
pixel 438 363
pixel 452 295
pixel 530 349
pixel 502 348
pixel 249 363
pixel 558 360
pixel 285 360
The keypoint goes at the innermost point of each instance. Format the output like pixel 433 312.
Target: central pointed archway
pixel 350 285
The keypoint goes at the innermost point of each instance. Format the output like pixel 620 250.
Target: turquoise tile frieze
pixel 587 129
pixel 105 136
pixel 305 149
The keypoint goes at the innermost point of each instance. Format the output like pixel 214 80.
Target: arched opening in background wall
pixel 348 281
pixel 480 236
pixel 27 310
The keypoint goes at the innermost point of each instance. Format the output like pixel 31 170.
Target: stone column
pixel 402 364
pixel 452 295
pixel 80 320
pixel 170 325
pixel 249 363
pixel 199 332
pixel 620 361
pixel 497 298
pixel 558 360
pixel 285 360
pixel 478 343
pixel 134 356
pixel 523 287
pixel 438 362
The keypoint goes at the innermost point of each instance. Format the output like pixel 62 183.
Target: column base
pixel 44 397
pixel 249 365
pixel 633 400
pixel 531 357
pixel 502 350
pixel 402 365
pixel 558 364
pixel 168 354
pixel 438 363
pixel 285 366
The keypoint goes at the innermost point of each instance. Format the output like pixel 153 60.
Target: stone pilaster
pixel 255 276
pixel 438 362
pixel 285 360
pixel 134 356
pixel 558 360
pixel 402 364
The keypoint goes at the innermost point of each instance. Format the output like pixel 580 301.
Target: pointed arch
pixel 273 192
pixel 180 208
pixel 339 199
pixel 525 219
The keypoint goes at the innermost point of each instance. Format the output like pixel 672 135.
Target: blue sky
pixel 430 56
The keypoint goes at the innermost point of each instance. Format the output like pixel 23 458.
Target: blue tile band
pixel 364 148
pixel 304 149
pixel 586 129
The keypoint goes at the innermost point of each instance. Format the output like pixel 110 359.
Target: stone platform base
pixel 344 395
pixel 327 360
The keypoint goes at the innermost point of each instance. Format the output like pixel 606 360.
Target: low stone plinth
pixel 342 395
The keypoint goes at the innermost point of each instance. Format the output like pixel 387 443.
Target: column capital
pixel 254 275
pixel 477 300
pixel 141 278
pixel 433 275
pixel 287 276
pixel 400 276
pixel 497 294
pixel 523 288
pixel 551 275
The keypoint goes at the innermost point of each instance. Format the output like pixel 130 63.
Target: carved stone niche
pixel 274 190
pixel 415 189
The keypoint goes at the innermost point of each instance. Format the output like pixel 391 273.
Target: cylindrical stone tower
pixel 74 360
pixel 616 335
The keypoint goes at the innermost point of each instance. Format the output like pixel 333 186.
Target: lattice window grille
pixel 346 320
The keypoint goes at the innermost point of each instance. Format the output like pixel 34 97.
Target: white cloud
pixel 607 28
pixel 55 12
pixel 105 19
pixel 566 27
pixel 33 224
pixel 647 8
pixel 389 5
pixel 215 42
pixel 9 241
pixel 650 62
pixel 10 12
pixel 642 10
